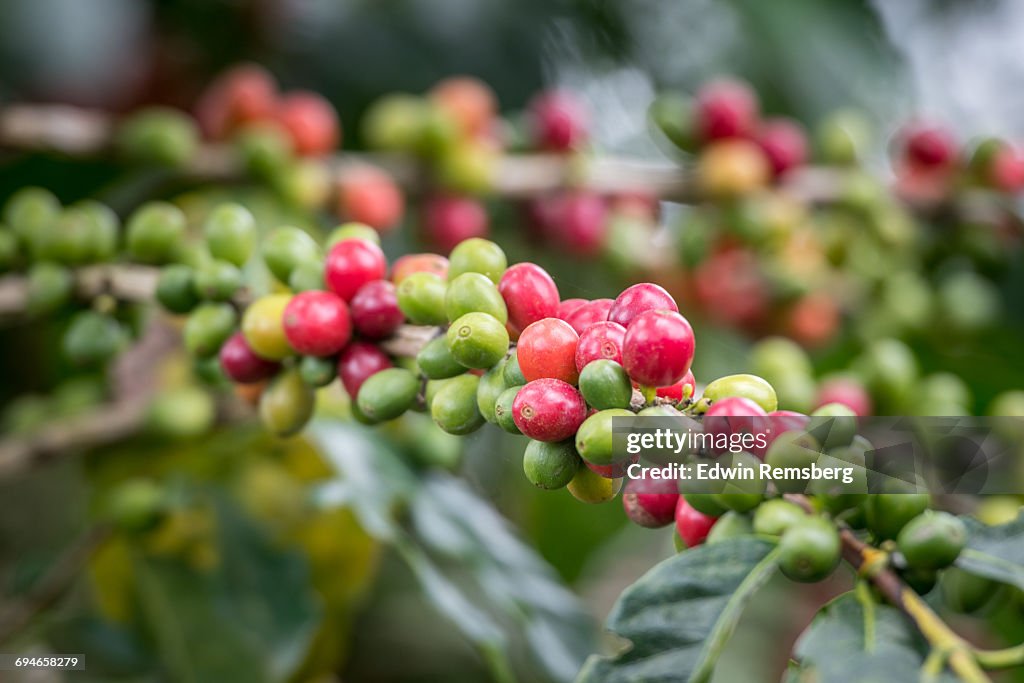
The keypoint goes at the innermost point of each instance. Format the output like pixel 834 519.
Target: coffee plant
pixel 790 241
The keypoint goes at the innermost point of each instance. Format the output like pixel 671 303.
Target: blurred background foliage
pixel 250 578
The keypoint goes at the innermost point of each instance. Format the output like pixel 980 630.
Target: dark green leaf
pixel 995 552
pixel 679 615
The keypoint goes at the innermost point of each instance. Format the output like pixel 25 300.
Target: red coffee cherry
pixel 469 102
pixel 814 319
pixel 530 295
pixel 784 143
pixel 928 147
pixel 548 409
pixel 567 306
pixel 351 264
pixel 725 109
pixel 738 415
pixel 780 421
pixel 317 323
pixel 580 222
pixel 684 388
pixel 636 299
pixel 311 123
pixel 375 311
pixel 547 348
pixel 358 361
pixel 693 527
pixel 847 391
pixel 244 94
pixel 369 195
pixel 1006 170
pixel 658 348
pixel 449 220
pixel 651 503
pixel 404 266
pixel 241 364
pixel 591 312
pixel 600 340
pixel 616 470
pixel 558 121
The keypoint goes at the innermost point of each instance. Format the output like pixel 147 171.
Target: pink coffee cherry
pixel 548 410
pixel 639 298
pixel 658 348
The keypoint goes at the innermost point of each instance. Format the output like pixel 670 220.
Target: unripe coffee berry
pixel 241 364
pixel 404 266
pixel 155 232
pixel 604 384
pixel 217 280
pixel 595 439
pixel 550 465
pixel 318 372
pixel 285 248
pixel 549 410
pixel 421 298
pixel 353 230
pixel 358 361
pixel 263 327
pixel 809 550
pixel 454 406
pixel 750 387
pixel 504 414
pixel 477 256
pixel 478 340
pixel 474 292
pixel 351 264
pixel 230 233
pixel 317 323
pixel 387 394
pixel 374 309
pixel 530 295
pixel 208 327
pixel 547 348
pixel 658 348
pixel 588 486
pixel 932 540
pixel 492 384
pixel 175 288
pixel 638 299
pixel 287 403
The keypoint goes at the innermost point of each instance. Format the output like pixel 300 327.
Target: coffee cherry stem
pixel 649 394
pixel 946 646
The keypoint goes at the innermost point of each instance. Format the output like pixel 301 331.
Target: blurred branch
pixel 76 132
pixel 18 614
pixel 123 282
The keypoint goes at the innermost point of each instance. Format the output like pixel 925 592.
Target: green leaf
pixel 679 615
pixel 995 552
pixel 855 640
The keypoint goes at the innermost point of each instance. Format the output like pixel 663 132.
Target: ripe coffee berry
pixel 317 323
pixel 580 222
pixel 567 307
pixel 601 340
pixel 450 219
pixel 469 101
pixel 928 147
pixel 725 109
pixel 530 295
pixel 243 94
pixel 358 361
pixel 404 266
pixel 311 123
pixel 784 143
pixel 375 311
pixel 650 503
pixel 547 348
pixel 589 313
pixel 847 391
pixel 558 121
pixel 693 527
pixel 684 388
pixel 548 410
pixel 658 348
pixel 351 264
pixel 241 364
pixel 369 195
pixel 637 299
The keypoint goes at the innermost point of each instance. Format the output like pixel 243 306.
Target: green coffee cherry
pixel 287 404
pixel 705 503
pixel 318 372
pixel 307 276
pixel 550 465
pixel 843 137
pixel 833 425
pixel 968 593
pixel 287 247
pixel 395 122
pixel 210 373
pixel 49 287
pixel 454 407
pixel 466 167
pixel 102 230
pixel 588 486
pixel 472 292
pixel 230 233
pixel 932 540
pixel 594 437
pixel 136 505
pixel 8 249
pixel 890 369
pixel 159 136
pixel 672 114
pixel 477 255
pixel 176 289
pixel 433 386
pixel 266 150
pixel 217 280
pixel 503 410
pixel 437 362
pixel 888 513
pixel 742 495
pixel 182 413
pixel 491 386
pixel 477 340
pixel 730 525
pixel 746 386
pixel 30 213
pixel 774 517
pixel 793 449
pixel 353 230
pixel 67 240
pixel 513 374
pixel 776 357
pixel 155 232
pixel 387 394
pixel 809 550
pixel 208 327
pixel 604 384
pixel 421 298
pixel 92 339
pixel 838 496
